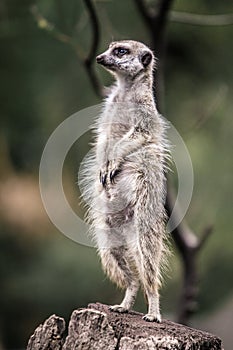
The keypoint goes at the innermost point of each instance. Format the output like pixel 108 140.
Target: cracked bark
pixel 95 327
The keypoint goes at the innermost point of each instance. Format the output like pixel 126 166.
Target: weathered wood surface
pixel 95 327
pixel 49 335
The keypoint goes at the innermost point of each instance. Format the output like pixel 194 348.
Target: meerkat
pixel 123 178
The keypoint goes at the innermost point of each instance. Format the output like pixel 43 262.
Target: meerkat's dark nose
pixel 100 59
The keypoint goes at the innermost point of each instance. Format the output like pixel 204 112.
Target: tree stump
pixel 96 327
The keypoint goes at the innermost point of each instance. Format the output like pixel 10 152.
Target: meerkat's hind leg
pixel 153 314
pixel 150 277
pixel 122 274
pixel 129 298
pixel 149 267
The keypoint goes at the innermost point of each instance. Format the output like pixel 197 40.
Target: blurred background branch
pixel 189 246
pixel 90 59
pixel 86 59
pixel 201 20
pixel 50 28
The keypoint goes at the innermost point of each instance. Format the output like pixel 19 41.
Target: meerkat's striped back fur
pixel 123 179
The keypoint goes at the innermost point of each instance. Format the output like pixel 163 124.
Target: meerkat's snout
pixel 100 59
pixel 105 61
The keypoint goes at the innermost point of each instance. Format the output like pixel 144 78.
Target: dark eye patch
pixel 120 51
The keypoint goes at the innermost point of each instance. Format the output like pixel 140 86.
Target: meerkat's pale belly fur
pixel 124 185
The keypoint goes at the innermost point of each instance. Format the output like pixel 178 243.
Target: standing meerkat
pixel 123 178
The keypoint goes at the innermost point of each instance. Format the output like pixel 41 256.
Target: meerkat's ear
pixel 146 58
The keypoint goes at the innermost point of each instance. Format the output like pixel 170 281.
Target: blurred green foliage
pixel 42 83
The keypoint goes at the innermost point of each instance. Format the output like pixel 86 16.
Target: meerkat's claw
pixel 114 169
pixel 118 308
pixel 152 318
pixel 113 174
pixel 103 177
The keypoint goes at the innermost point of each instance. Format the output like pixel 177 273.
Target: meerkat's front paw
pixel 118 308
pixel 152 318
pixel 114 169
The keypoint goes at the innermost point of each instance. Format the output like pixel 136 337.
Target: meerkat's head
pixel 127 58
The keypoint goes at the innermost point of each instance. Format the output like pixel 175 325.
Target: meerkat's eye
pixel 120 51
